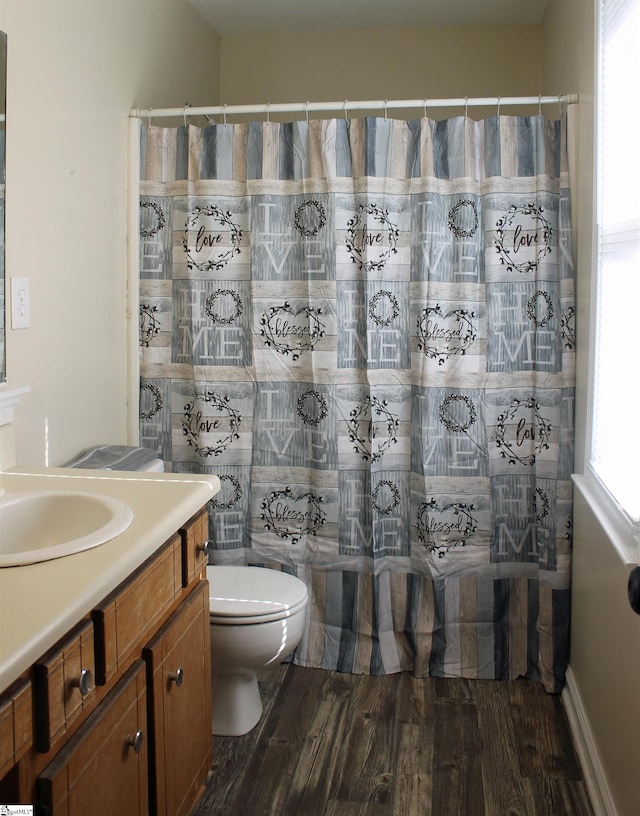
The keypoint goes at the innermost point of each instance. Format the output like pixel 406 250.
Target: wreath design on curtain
pixel 388 491
pixel 158 402
pixel 449 420
pixel 454 218
pixel 359 240
pixel 384 302
pixel 291 517
pixel 309 218
pixel 533 434
pixel 149 325
pixel 290 331
pixel 236 489
pixel 194 423
pixel 440 528
pixel 526 230
pixel 211 305
pixel 442 335
pixel 311 407
pixel 211 239
pixel 533 308
pixel 568 327
pixel 365 412
pixel 151 232
pixel 540 504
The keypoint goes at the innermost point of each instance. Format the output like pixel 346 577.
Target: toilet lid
pixel 253 592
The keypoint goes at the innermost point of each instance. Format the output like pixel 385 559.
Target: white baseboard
pixel 592 769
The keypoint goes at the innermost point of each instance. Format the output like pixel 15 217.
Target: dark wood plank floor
pixel 334 744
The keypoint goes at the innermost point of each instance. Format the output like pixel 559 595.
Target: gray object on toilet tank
pixel 119 457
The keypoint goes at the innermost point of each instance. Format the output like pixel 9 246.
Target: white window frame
pixel 622 530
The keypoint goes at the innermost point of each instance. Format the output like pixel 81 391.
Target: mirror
pixel 3 286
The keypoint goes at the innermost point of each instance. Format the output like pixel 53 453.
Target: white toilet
pixel 257 619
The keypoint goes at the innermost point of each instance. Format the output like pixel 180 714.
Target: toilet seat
pixel 247 595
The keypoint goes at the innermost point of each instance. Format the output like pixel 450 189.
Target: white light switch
pixel 20 306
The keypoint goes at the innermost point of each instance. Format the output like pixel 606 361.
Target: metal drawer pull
pixel 135 740
pixel 205 548
pixel 84 682
pixel 176 677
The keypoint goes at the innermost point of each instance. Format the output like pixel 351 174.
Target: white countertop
pixel 39 603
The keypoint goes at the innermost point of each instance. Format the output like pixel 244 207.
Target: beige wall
pixel 605 658
pixel 391 63
pixel 569 67
pixel 605 633
pixel 75 69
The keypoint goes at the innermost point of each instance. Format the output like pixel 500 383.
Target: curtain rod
pixel 348 107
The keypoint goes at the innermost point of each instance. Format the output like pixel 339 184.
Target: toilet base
pixel 236 703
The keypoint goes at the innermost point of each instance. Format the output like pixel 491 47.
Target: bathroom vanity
pixel 105 692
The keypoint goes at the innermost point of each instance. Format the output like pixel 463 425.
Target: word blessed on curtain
pixel 356 357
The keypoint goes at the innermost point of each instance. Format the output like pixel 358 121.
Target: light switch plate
pixel 20 303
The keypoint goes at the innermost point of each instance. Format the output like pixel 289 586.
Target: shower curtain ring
pixel 149 117
pixel 184 113
pixel 425 107
pixel 306 108
pixel 268 113
pixel 466 107
pixel 345 109
pixel 224 114
pixel 386 112
pixel 498 107
pixel 539 104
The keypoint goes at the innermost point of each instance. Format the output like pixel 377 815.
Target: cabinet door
pixel 179 684
pixel 128 617
pixel 63 685
pixel 16 724
pixel 195 534
pixel 102 770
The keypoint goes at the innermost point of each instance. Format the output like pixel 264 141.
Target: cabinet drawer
pixel 16 724
pixel 102 770
pixel 128 617
pixel 195 534
pixel 179 687
pixel 63 684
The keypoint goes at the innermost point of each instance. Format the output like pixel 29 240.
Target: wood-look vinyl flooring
pixel 331 744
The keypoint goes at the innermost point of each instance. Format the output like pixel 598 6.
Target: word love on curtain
pixel 365 329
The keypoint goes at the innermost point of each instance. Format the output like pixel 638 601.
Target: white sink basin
pixel 42 525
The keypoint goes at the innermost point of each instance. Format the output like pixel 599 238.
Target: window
pixel 615 448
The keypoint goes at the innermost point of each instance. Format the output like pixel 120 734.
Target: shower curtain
pixel 365 329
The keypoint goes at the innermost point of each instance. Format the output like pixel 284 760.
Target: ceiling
pixel 236 17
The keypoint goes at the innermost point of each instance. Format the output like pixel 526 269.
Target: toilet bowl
pixel 257 618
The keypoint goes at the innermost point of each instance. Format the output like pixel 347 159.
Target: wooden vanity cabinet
pixel 63 685
pixel 138 740
pixel 103 769
pixel 125 620
pixel 195 542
